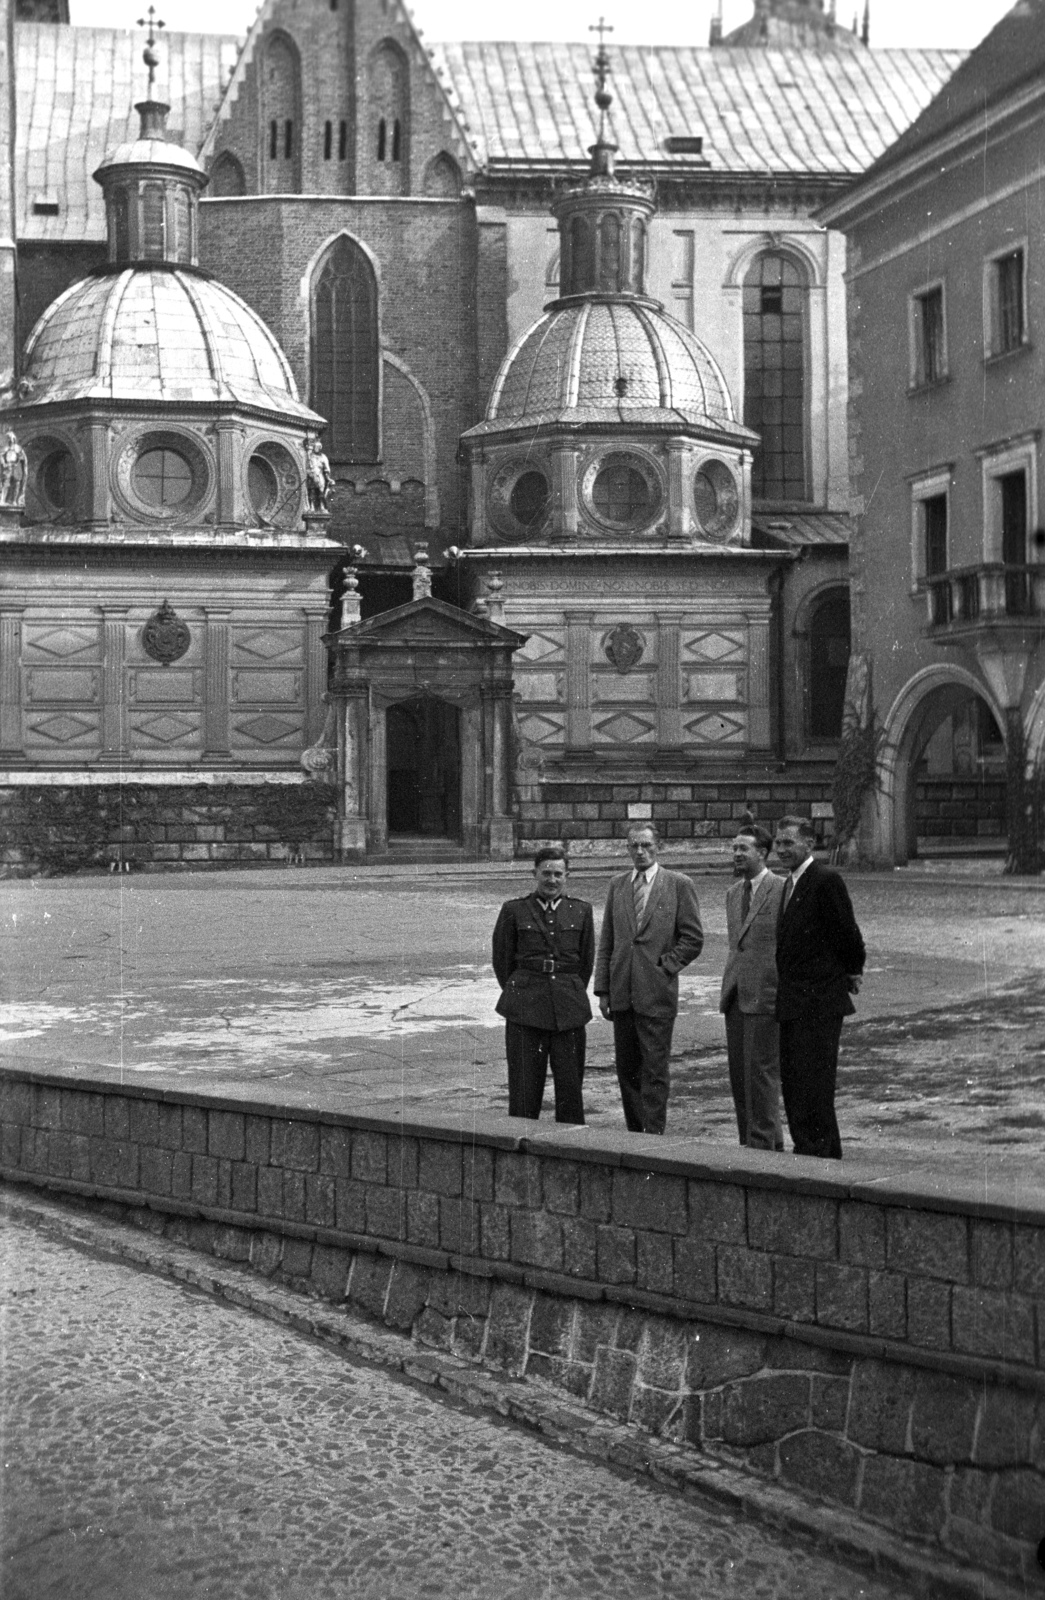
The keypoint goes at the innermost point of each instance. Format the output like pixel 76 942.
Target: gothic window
pixel 389 88
pixel 345 352
pixel 226 176
pixel 282 113
pixel 775 376
pixel 443 177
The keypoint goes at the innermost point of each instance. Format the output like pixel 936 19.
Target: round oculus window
pixel 621 494
pixel 57 479
pixel 162 477
pixel 262 487
pixel 715 498
pixel 528 500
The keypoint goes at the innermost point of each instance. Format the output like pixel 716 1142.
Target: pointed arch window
pixel 345 356
pixel 775 295
pixel 282 98
pixel 389 88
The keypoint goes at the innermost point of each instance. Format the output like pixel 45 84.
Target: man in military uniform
pixel 543 955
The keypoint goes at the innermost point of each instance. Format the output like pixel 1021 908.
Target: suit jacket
pixel 750 975
pixel 526 940
pixel 818 946
pixel 638 966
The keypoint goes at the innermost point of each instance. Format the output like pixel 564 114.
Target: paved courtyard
pixel 159 1445
pixel 368 987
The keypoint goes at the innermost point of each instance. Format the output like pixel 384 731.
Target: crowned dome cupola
pixel 151 394
pixel 608 418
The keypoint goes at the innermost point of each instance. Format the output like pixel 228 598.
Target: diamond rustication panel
pixel 715 727
pixel 61 729
pixel 267 644
pixel 168 729
pixel 542 728
pixel 267 729
pixel 60 644
pixel 713 646
pixel 541 647
pixel 624 728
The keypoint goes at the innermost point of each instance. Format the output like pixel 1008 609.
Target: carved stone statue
pixel 13 472
pixel 319 480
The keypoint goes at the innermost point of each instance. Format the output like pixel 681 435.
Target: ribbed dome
pixel 154 335
pixel 151 153
pixel 609 361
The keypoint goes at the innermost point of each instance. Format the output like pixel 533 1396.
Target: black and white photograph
pixel 522 800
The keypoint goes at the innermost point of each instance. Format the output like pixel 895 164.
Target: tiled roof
pixel 76 92
pixel 757 110
pixel 794 530
pixel 1012 54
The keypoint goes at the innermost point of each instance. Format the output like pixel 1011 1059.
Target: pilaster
pixel 11 727
pixel 578 679
pixel 216 683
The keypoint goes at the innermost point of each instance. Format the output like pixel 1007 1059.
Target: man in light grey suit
pixel 650 930
pixel 749 987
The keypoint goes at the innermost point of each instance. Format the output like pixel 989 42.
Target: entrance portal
pixel 424 769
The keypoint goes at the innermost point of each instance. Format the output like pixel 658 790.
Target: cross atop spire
pixel 601 64
pixel 149 56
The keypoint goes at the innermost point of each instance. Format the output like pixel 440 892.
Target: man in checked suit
pixel 749 985
pixel 820 956
pixel 651 929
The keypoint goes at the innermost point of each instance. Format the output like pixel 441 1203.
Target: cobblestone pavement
pixel 157 1445
pixel 343 987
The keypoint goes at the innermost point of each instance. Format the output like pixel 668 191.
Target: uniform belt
pixel 548 964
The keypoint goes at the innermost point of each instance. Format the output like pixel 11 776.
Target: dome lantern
pixel 151 186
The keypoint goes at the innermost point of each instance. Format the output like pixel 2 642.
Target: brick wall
pixel 47 828
pixel 878 1344
pixel 955 808
pixel 592 811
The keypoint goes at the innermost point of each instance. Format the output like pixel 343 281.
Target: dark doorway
pixel 424 769
pixel 828 664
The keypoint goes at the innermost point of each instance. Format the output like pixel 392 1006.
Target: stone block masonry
pixel 873 1341
pixel 51 828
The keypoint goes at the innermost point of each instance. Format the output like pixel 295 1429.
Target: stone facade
pixel 875 1344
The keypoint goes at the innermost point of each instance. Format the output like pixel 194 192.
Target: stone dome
pixel 156 335
pixel 609 360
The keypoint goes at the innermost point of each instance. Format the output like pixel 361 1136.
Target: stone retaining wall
pixel 873 1343
pixel 47 828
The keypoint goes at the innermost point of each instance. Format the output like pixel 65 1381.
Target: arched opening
pixel 443 177
pixel 345 352
pixel 282 113
pixel 227 176
pixel 828 664
pixel 775 294
pixel 390 111
pixel 423 742
pixel 949 793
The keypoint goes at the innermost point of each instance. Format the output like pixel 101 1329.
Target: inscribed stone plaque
pixel 266 688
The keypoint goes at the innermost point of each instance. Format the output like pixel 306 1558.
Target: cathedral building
pixel 578 369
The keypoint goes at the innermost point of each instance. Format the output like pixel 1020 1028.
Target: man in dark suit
pixel 820 956
pixel 749 985
pixel 543 953
pixel 650 931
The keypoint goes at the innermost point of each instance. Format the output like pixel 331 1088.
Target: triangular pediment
pixel 428 624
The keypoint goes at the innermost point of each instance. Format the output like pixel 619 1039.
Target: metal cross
pixel 149 56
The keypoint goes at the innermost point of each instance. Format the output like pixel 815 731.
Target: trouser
pixel 753 1047
pixel 530 1051
pixel 808 1070
pixel 642 1046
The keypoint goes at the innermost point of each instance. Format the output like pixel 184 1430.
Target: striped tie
pixel 640 895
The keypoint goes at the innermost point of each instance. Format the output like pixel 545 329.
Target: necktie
pixel 745 900
pixel 640 895
pixel 789 889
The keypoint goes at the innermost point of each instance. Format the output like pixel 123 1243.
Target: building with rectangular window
pixel 947 574
pixel 386 210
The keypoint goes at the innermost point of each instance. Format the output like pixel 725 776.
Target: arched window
pixel 282 103
pixel 389 111
pixel 226 176
pixel 609 253
pixel 154 218
pixel 345 355
pixel 775 376
pixel 443 177
pixel 829 646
